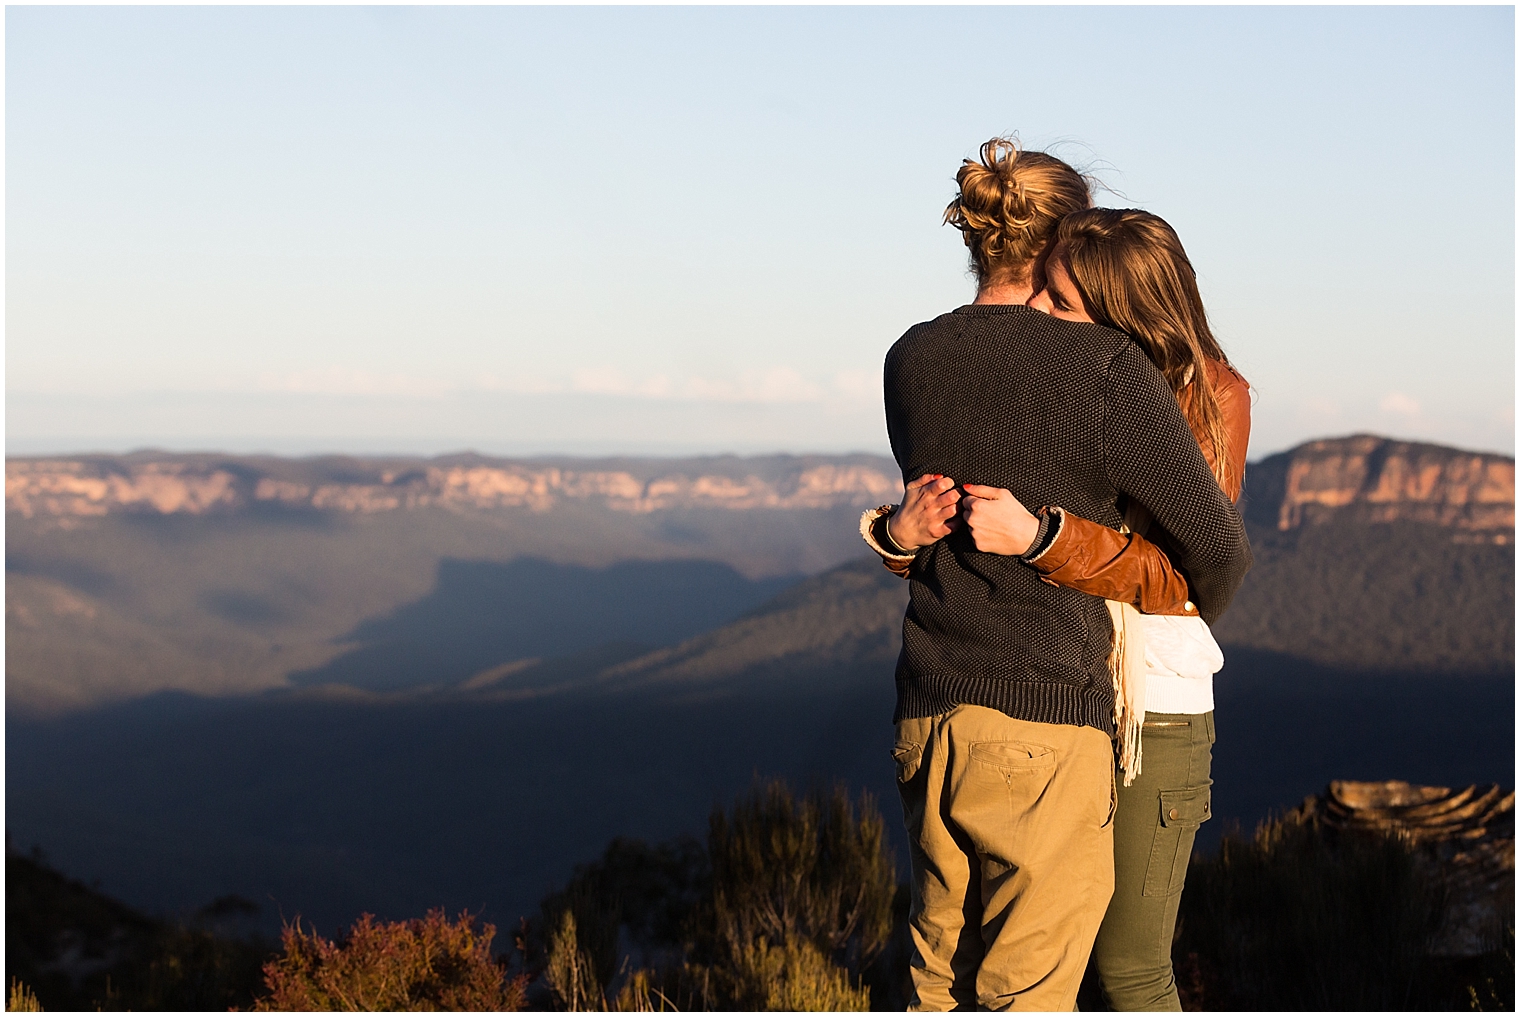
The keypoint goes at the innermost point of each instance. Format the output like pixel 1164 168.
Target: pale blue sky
pixel 699 229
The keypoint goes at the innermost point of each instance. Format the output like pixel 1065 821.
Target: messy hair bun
pixel 1008 207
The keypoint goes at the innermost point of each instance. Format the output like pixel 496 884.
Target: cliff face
pixel 195 485
pixel 1362 478
pixel 1368 479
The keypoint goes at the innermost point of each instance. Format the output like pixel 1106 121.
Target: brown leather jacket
pixel 1090 557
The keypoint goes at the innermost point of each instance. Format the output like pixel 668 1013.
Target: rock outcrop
pixel 1369 479
pixel 196 485
pixel 1466 835
pixel 1362 478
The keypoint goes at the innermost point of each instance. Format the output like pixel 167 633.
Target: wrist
pixel 1047 526
pixel 1028 534
pixel 895 541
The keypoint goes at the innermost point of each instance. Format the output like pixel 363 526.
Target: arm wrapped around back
pixel 1127 567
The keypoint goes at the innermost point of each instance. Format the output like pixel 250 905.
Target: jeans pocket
pixel 1181 813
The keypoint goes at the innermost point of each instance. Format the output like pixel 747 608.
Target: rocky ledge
pixel 165 484
pixel 1465 836
pixel 1369 479
pixel 1362 478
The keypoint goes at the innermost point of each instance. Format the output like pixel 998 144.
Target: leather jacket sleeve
pixel 1090 557
pixel 1127 567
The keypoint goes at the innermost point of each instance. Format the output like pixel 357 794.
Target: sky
pixel 698 229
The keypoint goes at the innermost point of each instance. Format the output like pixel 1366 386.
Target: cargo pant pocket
pixel 907 756
pixel 1182 812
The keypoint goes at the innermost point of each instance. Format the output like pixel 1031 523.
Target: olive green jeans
pixel 1157 818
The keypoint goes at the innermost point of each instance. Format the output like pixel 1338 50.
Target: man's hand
pixel 926 514
pixel 998 522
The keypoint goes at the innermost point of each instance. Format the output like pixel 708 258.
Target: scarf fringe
pixel 1126 664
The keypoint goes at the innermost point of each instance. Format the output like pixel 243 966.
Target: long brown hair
pixel 1008 206
pixel 1134 276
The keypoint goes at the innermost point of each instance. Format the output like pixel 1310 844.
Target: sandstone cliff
pixel 1369 479
pixel 1362 478
pixel 191 484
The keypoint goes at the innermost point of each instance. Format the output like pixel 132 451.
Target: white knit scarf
pixel 1126 664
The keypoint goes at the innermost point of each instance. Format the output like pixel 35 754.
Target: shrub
pixel 1304 918
pixel 793 977
pixel 652 891
pixel 189 969
pixel 22 999
pixel 1492 985
pixel 570 971
pixel 431 963
pixel 789 870
pixel 790 900
pixel 74 948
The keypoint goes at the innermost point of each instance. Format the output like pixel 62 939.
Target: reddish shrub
pixel 429 963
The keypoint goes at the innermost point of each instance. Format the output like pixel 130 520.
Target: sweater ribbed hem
pixel 1041 702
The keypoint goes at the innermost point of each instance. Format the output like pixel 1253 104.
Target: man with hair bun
pixel 1005 698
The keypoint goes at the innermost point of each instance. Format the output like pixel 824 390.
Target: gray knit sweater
pixel 1059 413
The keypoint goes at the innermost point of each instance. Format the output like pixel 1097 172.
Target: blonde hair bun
pixel 1008 206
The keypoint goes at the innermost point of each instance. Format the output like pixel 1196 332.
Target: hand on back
pixel 927 513
pixel 997 521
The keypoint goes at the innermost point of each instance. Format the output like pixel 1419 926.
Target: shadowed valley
pixel 328 710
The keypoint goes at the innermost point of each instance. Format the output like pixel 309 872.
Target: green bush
pixel 1303 918
pixel 431 963
pixel 784 909
pixel 652 891
pixel 788 870
pixel 570 970
pixel 795 976
pixel 189 969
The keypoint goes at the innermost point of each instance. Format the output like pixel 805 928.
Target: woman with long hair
pixel 1127 269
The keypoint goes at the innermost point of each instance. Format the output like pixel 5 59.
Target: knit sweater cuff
pixel 1051 521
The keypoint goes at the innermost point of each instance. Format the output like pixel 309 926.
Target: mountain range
pixel 341 685
pixel 129 575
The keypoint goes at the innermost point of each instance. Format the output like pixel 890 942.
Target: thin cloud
pixel 1400 404
pixel 337 381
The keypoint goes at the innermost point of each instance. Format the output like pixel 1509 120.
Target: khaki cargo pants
pixel 1010 825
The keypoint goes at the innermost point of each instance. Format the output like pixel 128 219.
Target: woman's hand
pixel 999 523
pixel 926 514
